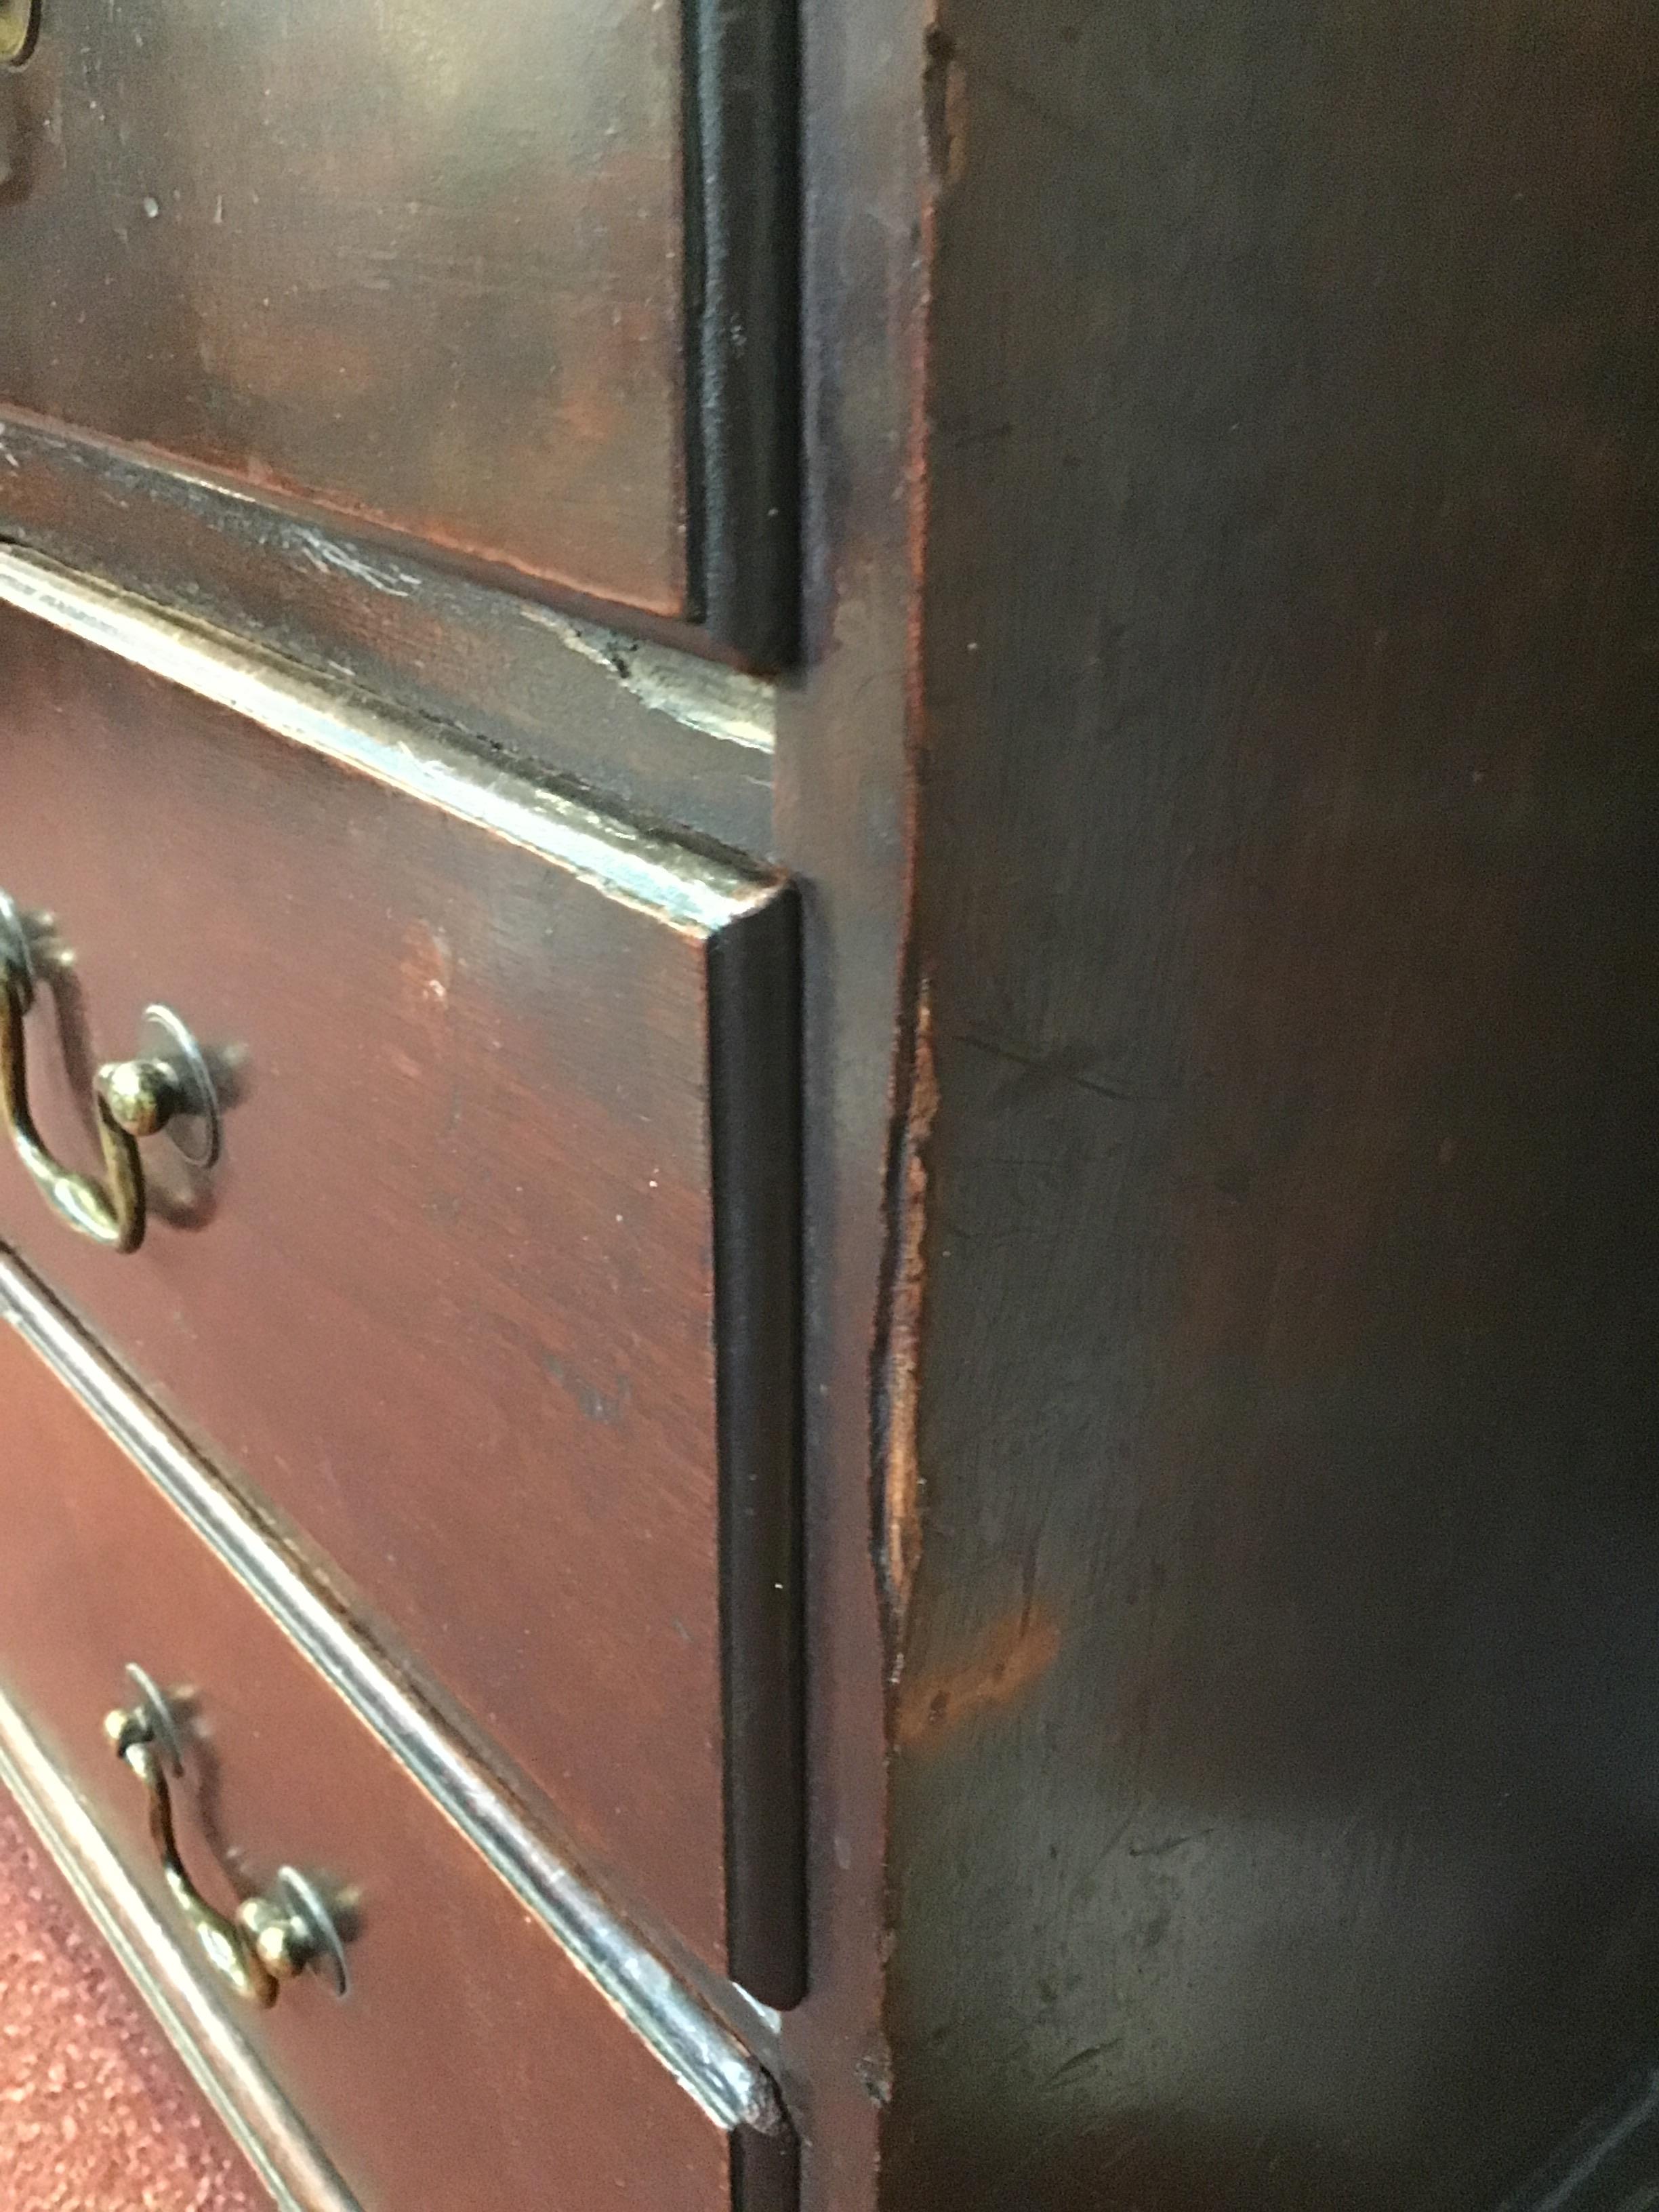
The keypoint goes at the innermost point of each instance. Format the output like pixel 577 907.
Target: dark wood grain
pixel 471 2061
pixel 421 265
pixel 1274 1820
pixel 452 1305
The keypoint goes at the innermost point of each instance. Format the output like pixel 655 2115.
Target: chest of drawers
pixel 826 1022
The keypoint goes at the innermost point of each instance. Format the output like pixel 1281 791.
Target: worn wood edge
pixel 704 695
pixel 743 315
pixel 629 719
pixel 755 1092
pixel 701 695
pixel 691 890
pixel 360 547
pixel 258 2117
pixel 692 2042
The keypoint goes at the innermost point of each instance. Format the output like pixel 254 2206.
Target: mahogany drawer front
pixel 469 2062
pixel 484 1299
pixel 425 268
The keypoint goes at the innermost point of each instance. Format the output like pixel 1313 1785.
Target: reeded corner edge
pixel 743 325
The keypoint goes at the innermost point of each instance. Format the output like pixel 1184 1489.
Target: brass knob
pixel 142 1095
pixel 169 1082
pixel 268 1941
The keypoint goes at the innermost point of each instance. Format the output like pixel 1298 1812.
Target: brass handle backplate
pixel 167 1085
pixel 268 1941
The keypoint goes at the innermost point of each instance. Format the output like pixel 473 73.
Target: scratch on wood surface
pixel 897 1392
pixel 1017 1650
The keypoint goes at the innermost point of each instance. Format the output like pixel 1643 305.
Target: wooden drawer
pixel 492 1297
pixel 474 274
pixel 469 2060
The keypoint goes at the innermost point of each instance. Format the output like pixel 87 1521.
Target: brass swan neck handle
pixel 132 1098
pixel 268 1941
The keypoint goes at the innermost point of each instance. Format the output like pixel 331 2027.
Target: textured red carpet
pixel 96 2114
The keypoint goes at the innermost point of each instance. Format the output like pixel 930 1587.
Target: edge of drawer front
pixel 705 2062
pixel 748 930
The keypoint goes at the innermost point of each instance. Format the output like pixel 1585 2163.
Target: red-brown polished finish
pixel 448 1305
pixel 471 2063
pixel 420 264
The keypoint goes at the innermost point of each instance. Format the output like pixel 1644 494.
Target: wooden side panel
pixel 421 265
pixel 471 2063
pixel 451 1304
pixel 1275 1810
